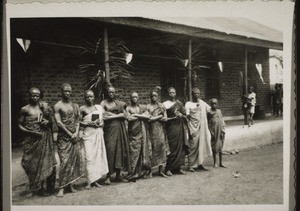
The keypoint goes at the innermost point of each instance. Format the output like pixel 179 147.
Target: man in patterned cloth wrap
pixel 69 148
pixel 38 159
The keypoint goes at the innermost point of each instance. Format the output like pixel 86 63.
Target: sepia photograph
pixel 138 106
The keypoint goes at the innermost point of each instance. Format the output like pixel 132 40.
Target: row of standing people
pixel 156 134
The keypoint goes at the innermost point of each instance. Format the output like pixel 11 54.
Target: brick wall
pixel 48 68
pixel 146 77
pixel 263 89
pixel 146 73
pixel 45 65
pixel 230 89
pixel 231 86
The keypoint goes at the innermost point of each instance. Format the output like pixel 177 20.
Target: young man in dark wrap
pixel 177 133
pixel 115 136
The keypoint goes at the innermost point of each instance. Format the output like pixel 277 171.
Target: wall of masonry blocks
pixel 263 89
pixel 47 70
pixel 146 73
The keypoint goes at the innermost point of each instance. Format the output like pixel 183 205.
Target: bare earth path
pixel 260 182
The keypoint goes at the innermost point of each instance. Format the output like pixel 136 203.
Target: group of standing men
pixel 97 140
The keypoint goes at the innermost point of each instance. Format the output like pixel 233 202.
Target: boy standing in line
pixel 216 127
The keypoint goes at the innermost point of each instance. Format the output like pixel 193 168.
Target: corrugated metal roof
pixel 229 25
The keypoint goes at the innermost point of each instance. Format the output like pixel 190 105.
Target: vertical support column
pixel 246 72
pixel 190 70
pixel 246 84
pixel 106 56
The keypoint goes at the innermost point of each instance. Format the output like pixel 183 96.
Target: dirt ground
pixel 260 182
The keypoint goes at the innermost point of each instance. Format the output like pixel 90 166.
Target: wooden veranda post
pixel 246 84
pixel 190 70
pixel 106 55
pixel 246 72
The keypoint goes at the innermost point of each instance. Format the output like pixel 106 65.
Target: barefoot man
pixel 139 143
pixel 157 134
pixel 38 159
pixel 115 136
pixel 177 133
pixel 200 146
pixel 91 130
pixel 66 115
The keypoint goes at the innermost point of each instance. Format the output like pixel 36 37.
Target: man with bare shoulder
pixel 66 115
pixel 91 131
pixel 200 137
pixel 38 159
pixel 115 136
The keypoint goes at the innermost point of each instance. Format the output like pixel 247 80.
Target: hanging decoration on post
pixel 128 57
pixel 259 69
pixel 24 43
pixel 241 78
pixel 220 64
pixel 186 61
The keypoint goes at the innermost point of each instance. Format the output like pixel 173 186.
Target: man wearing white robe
pixel 200 146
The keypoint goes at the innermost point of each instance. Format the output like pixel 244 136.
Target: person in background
pixel 216 127
pixel 91 123
pixel 251 105
pixel 279 100
pixel 273 99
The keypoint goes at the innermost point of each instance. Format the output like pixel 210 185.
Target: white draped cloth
pixel 200 143
pixel 95 152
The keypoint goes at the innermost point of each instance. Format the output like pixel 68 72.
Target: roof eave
pixel 191 31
